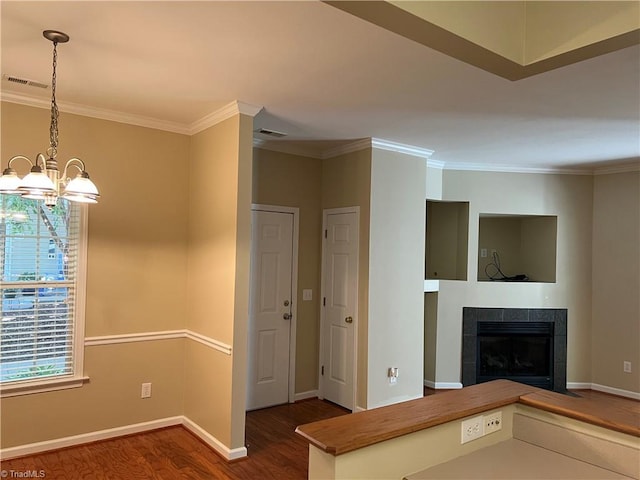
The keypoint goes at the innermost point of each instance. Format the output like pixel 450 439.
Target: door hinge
pixel 325 233
pixel 322 370
pixel 324 301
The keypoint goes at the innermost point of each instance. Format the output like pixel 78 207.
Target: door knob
pixel 287 316
pixel 349 319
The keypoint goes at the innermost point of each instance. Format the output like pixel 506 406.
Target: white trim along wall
pixel 161 335
pixel 227 453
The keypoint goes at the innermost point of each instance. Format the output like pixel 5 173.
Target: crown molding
pixel 231 109
pixel 619 168
pixel 435 164
pixel 483 167
pixel 237 107
pixel 285 147
pixel 355 146
pixel 401 148
pixel 228 111
pixel 321 154
pixel 102 114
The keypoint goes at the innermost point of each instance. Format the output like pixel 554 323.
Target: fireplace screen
pixel 518 351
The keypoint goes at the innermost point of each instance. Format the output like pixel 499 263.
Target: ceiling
pixel 323 76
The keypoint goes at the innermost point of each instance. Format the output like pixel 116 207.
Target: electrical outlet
pixel 392 373
pixel 483 253
pixel 146 390
pixel 492 422
pixel 626 366
pixel 471 429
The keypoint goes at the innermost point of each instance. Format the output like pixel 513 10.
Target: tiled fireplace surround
pixel 471 316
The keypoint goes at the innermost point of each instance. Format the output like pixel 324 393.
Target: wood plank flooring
pixel 275 452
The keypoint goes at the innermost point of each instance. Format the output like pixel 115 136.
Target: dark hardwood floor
pixel 275 452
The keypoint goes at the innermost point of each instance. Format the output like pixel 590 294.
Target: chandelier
pixel 44 181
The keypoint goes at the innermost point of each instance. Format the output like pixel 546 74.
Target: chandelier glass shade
pixel 44 181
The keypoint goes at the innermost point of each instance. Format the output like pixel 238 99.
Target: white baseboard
pixel 213 442
pixel 359 409
pixel 442 385
pixel 39 447
pixel 578 386
pixel 615 391
pixel 304 395
pixel 206 437
pixel 603 388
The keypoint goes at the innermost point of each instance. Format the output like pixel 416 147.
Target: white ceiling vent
pixel 24 81
pixel 271 133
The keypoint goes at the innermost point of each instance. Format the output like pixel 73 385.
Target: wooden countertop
pixel 351 432
pixel 613 417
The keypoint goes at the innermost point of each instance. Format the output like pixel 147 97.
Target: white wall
pixel 567 196
pixel 396 277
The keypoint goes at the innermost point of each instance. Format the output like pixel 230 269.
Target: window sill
pixel 41 386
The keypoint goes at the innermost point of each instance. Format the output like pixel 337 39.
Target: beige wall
pixel 529 31
pixel 495 25
pixel 293 181
pixel 557 27
pixel 567 196
pixel 446 240
pixel 430 335
pixel 346 182
pixel 136 279
pixel 616 280
pixel 218 277
pixel 538 248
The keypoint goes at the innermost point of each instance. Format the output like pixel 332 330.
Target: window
pixel 42 291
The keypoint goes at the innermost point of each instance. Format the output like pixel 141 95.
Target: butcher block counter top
pixel 344 434
pixel 350 432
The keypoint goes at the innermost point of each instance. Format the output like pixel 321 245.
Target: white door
pixel 270 309
pixel 340 287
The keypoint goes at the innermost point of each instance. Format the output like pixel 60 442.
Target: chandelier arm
pixel 72 163
pixel 40 158
pixel 19 157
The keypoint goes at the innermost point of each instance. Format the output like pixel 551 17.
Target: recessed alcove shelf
pixel 525 246
pixel 446 240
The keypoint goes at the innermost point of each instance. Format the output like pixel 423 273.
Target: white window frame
pixel 78 378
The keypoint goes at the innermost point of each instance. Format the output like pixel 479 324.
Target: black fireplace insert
pixel 522 352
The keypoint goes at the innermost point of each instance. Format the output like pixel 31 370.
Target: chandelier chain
pixel 53 128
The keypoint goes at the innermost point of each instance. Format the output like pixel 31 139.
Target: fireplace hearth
pixel 524 345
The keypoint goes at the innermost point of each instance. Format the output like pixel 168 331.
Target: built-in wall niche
pixel 519 248
pixel 447 240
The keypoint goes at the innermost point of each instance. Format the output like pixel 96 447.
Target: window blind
pixel 38 267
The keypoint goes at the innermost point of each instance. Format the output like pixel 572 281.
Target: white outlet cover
pixel 472 429
pixel 146 390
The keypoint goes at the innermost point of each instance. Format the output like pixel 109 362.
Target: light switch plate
pixel 307 294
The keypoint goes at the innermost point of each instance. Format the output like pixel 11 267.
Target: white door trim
pixel 294 288
pixel 325 212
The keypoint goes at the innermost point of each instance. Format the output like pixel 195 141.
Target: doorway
pixel 339 319
pixel 272 306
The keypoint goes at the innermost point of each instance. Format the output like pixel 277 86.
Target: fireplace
pixel 524 345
